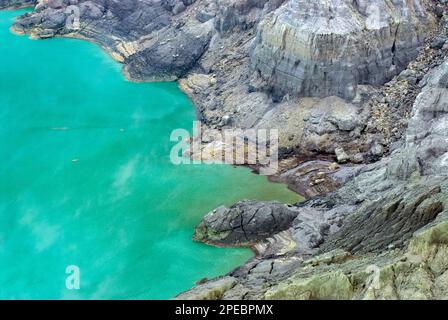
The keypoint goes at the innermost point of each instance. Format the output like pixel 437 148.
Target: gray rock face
pixel 325 48
pixel 245 223
pixel 150 37
pixel 390 220
pixel 406 193
pixel 236 14
pixel 426 149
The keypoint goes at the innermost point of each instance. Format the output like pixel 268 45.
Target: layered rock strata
pixel 327 48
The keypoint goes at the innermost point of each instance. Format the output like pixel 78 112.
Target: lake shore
pixel 378 197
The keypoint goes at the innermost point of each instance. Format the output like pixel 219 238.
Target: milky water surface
pixel 86 179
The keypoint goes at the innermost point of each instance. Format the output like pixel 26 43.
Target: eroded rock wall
pixel 15 4
pixel 326 48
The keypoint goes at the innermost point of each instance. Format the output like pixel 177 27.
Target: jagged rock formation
pixel 137 33
pixel 252 224
pixel 418 271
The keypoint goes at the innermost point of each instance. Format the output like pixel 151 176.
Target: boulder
pixel 244 223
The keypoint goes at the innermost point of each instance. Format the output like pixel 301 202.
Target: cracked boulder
pixel 245 223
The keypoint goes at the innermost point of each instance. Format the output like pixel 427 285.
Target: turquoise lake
pixel 86 179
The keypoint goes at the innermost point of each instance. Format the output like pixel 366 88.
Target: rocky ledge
pixel 343 84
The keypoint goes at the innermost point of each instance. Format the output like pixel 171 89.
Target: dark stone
pixel 245 223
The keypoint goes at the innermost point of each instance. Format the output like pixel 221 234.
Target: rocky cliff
pixel 326 48
pixel 259 64
pixel 363 83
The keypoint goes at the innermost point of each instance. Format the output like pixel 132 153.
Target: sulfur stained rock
pixel 212 291
pixel 405 274
pixel 330 286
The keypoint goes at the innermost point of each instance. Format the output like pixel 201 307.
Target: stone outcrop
pixel 426 148
pixel 245 223
pixel 144 35
pixel 418 271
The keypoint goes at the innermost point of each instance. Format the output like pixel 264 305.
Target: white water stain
pixel 123 178
pixel 44 233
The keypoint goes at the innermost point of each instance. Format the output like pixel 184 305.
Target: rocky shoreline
pixel 16 4
pixel 361 101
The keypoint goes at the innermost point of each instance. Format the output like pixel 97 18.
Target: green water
pixel 122 212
